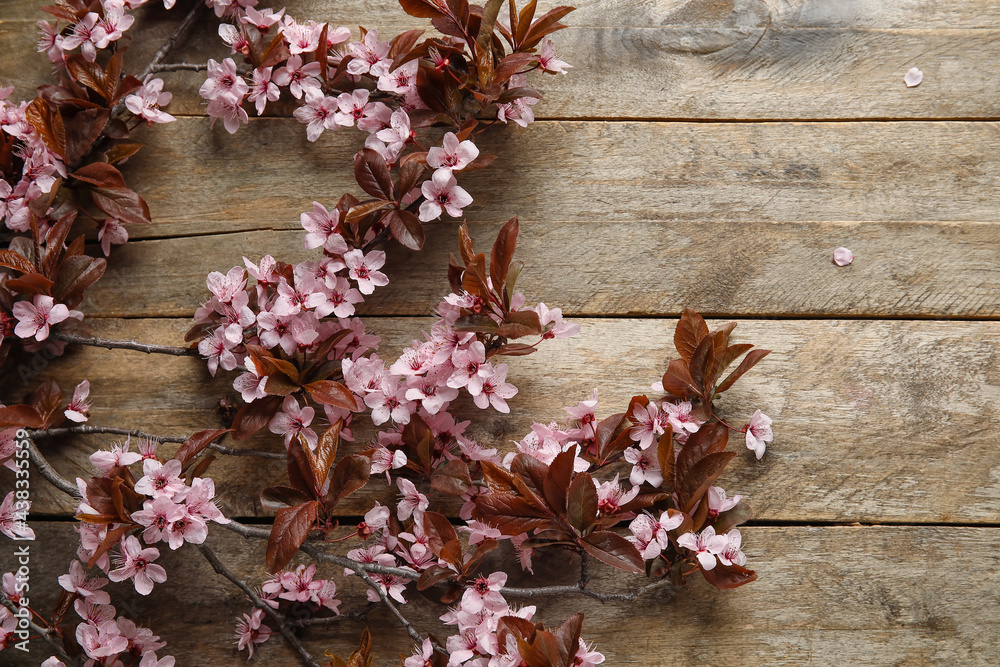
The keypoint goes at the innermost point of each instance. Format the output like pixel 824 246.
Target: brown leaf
pixel 100 174
pixel 290 529
pixel 252 417
pixel 121 151
pixel 439 531
pixel 690 331
pixel 695 484
pixel 401 45
pixel 748 362
pixel 350 474
pixel 122 204
pixel 520 323
pixel 581 502
pixel 47 399
pixel 333 393
pixel 421 8
pixel 77 274
pixel 11 260
pixel 322 459
pixel 359 211
pixel 497 479
pixel 615 550
pixel 557 480
pixel 407 229
pixel 503 252
pixel 549 23
pixel 23 416
pixel 510 514
pixel 197 443
pixel 273 498
pixel 49 124
pixel 729 576
pixel 452 478
pixel 372 174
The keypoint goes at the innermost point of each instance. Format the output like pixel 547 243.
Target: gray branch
pixel 87 429
pixel 111 344
pixel 44 633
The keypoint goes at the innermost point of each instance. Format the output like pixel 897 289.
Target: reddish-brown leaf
pixel 692 486
pixel 273 498
pixel 568 635
pixel 677 380
pixel 452 478
pixel 520 323
pixel 23 416
pixel 510 514
pixel 498 480
pixel 290 529
pixel 433 575
pixel 732 518
pixel 615 550
pixel 333 393
pixel 49 124
pixel 47 399
pixel 358 211
pixel 581 502
pixel 197 443
pixel 709 439
pixel 11 260
pixel 690 331
pixel 322 459
pixel 401 45
pixel 439 531
pixel 729 576
pixel 407 229
pixel 503 252
pixel 421 8
pixel 122 150
pixel 557 480
pixel 100 174
pixel 77 274
pixel 372 174
pixel 748 362
pixel 350 474
pixel 252 417
pixel 122 204
pixel 547 24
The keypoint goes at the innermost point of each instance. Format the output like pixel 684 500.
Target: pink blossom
pixel 400 80
pixel 229 110
pixel 519 110
pixel 188 528
pixel 484 593
pixel 364 269
pixel 250 631
pixel 611 497
pixel 645 467
pixel 13 518
pixel 648 426
pixel 705 545
pixel 79 407
pixel 376 519
pixel 390 402
pixel 318 113
pixel 496 390
pixel 199 501
pixel 547 60
pixel 443 194
pixel 421 655
pixel 454 155
pixel 160 479
pixel 431 391
pixel 78 582
pixel 411 502
pixel 119 455
pixel 235 37
pixel 293 422
pixel 653 533
pixel 262 19
pixel 149 660
pixel 369 55
pixel 101 641
pixel 50 42
pixel 322 227
pixel 586 656
pixel 352 107
pixel 377 116
pixel 116 21
pixel 398 133
pixel 479 531
pixel 298 77
pixel 89 35
pixel 719 503
pixel 584 412
pixel 111 232
pixel 223 81
pixel 157 515
pixel 731 554
pixel 758 433
pixel 35 318
pixel 146 101
pixel 680 418
pixel 262 89
pixel 343 297
pixel 559 328
pixel 218 350
pixel 302 38
pixel 251 385
pixel 226 287
pixel 471 369
pixel 137 564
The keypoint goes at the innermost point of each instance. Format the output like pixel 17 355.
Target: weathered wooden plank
pixel 875 421
pixel 832 595
pixel 625 268
pixel 681 59
pixel 199 181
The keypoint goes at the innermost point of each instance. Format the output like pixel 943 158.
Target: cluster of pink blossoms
pixel 298 589
pixel 477 643
pixel 96 30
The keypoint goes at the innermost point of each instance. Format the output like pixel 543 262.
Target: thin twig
pixel 549 591
pixel 329 620
pixel 111 344
pixel 87 429
pixel 410 630
pixel 46 470
pixel 260 604
pixel 173 39
pixel 177 67
pixel 43 632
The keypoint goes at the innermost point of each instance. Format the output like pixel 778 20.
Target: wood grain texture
pixel 735 59
pixel 624 268
pixel 200 181
pixel 875 421
pixel 832 595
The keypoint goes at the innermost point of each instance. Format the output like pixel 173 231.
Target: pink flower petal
pixel 913 77
pixel 842 256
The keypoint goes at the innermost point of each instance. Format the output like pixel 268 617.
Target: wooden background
pixel 702 153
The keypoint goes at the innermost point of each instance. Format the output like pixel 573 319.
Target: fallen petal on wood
pixel 842 256
pixel 913 77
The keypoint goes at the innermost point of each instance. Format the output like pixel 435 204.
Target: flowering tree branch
pixel 286 631
pixel 44 633
pixel 46 470
pixel 111 344
pixel 178 67
pixel 175 36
